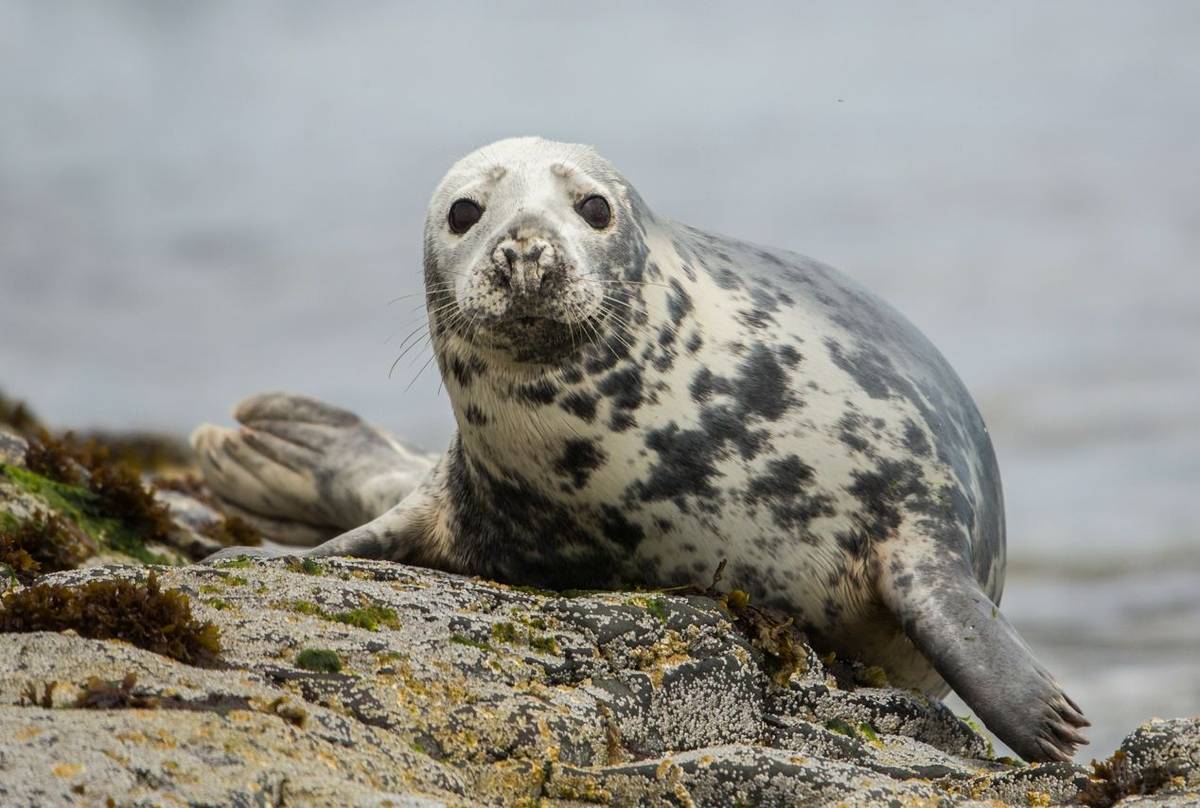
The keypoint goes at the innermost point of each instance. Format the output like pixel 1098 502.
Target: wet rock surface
pixel 456 691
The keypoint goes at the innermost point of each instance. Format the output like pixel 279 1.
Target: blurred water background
pixel 203 200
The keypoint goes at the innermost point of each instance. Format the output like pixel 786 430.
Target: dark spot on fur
pixel 461 371
pixel 475 416
pixel 616 527
pixel 686 464
pixel 726 278
pixel 915 440
pixel 540 392
pixel 790 356
pixel 762 385
pixel 679 302
pixel 579 459
pixel 466 370
pixel 723 424
pixel 624 387
pixel 764 299
pixel 621 421
pixel 755 318
pixel 784 488
pixel 850 427
pixel 607 354
pixel 580 404
pixel 705 384
pixel 694 343
pixel 864 367
pixel 884 493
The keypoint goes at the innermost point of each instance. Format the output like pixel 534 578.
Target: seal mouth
pixel 539 339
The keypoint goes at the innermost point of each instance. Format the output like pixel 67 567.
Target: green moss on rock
pixel 368 617
pixel 88 512
pixel 319 660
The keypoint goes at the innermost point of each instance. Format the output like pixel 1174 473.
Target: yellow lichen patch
pixel 67 769
pixel 131 736
pixel 581 788
pixel 1038 799
pixel 517 781
pixel 31 731
pixel 672 649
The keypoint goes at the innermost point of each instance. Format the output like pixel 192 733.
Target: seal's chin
pixel 537 339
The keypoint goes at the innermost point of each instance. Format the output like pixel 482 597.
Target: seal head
pixel 519 258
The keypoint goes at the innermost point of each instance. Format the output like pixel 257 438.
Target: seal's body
pixel 638 400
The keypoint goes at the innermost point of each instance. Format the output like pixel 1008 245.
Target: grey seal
pixel 637 401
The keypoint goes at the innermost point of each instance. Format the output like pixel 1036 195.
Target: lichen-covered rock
pixel 354 682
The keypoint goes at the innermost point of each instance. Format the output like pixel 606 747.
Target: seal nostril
pixel 511 256
pixel 535 253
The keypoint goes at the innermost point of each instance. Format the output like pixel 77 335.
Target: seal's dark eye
pixel 463 215
pixel 595 211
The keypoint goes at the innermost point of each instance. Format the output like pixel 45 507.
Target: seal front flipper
pixel 411 532
pixel 977 651
pixel 300 469
pixel 407 533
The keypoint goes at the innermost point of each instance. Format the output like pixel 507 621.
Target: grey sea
pixel 203 200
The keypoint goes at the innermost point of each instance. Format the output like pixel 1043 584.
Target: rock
pixel 12 447
pixel 450 691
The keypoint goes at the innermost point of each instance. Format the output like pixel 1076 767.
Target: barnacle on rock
pixel 139 613
pixel 43 544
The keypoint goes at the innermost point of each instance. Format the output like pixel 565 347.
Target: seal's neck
pixel 536 423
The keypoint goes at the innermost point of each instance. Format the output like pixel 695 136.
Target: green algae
pixel 462 639
pixel 88 511
pixel 504 632
pixel 234 564
pixel 368 617
pixel 319 660
pixel 841 727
